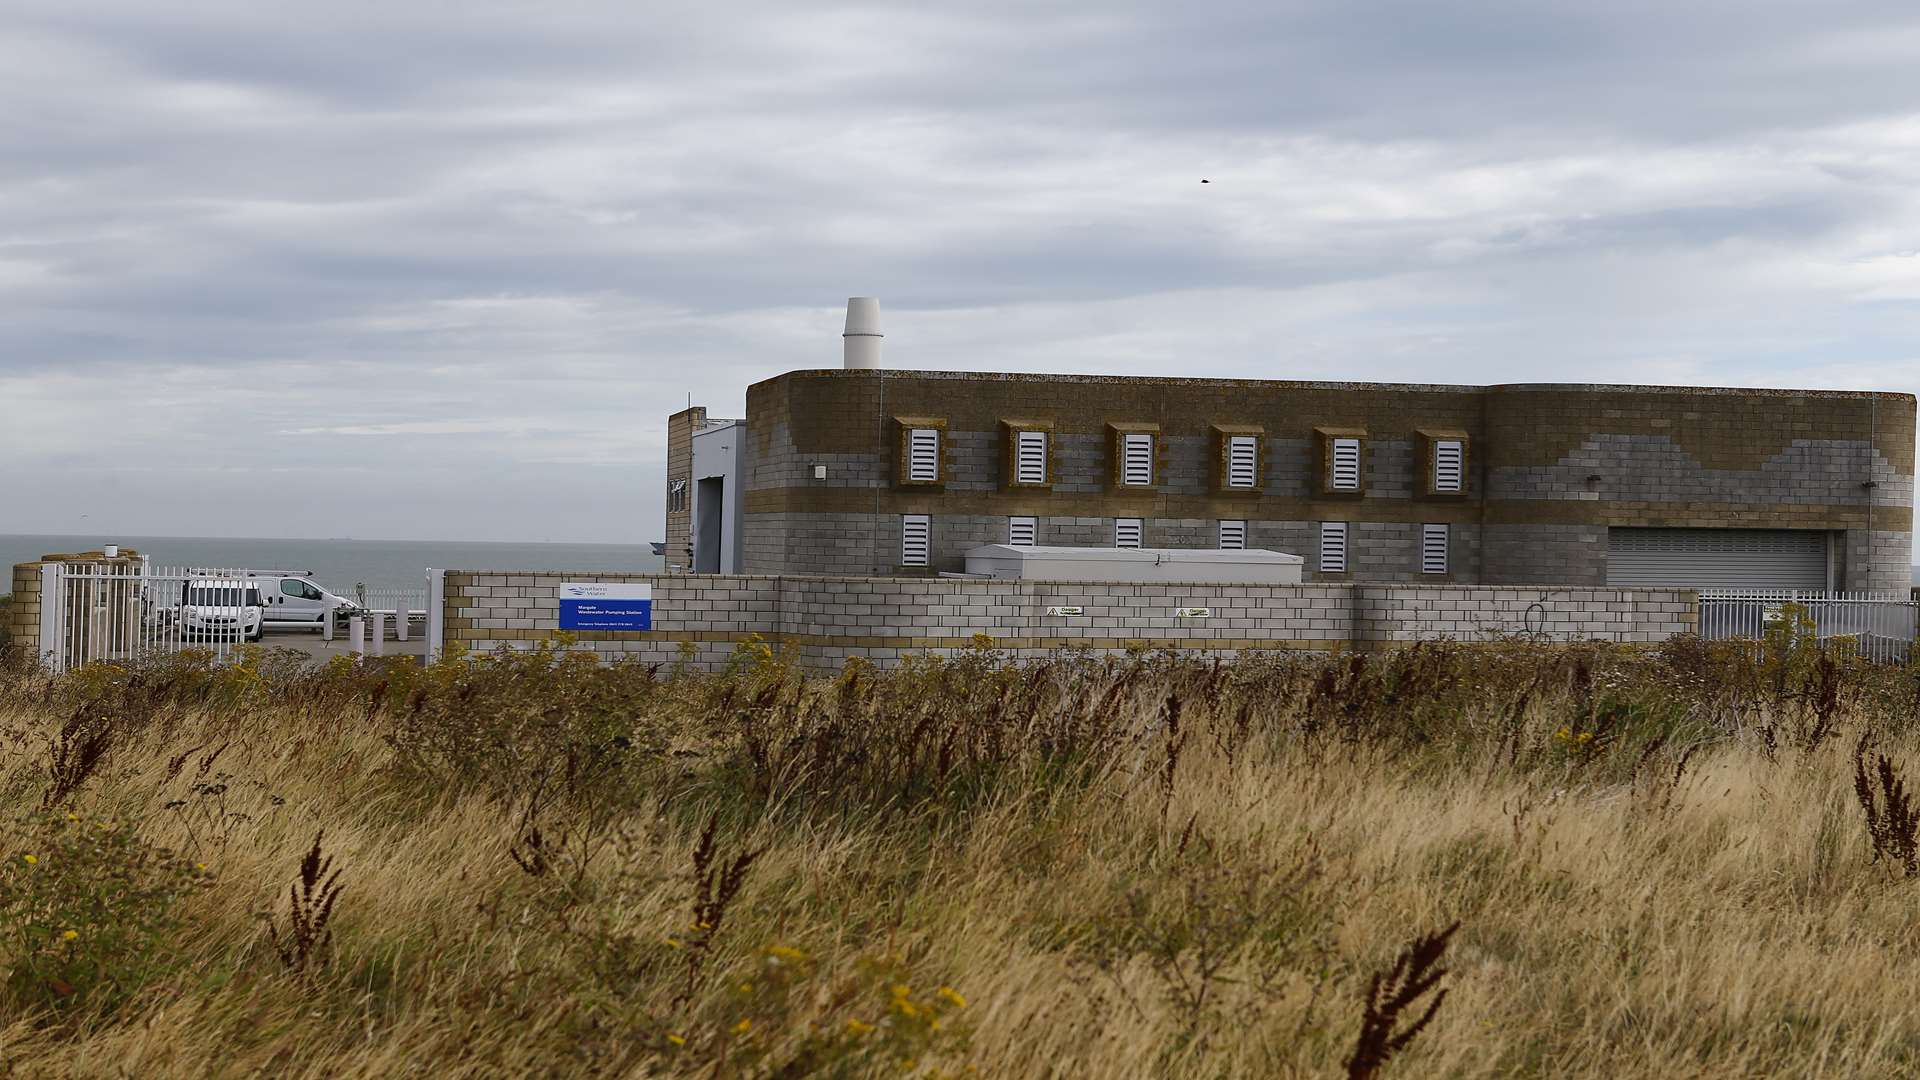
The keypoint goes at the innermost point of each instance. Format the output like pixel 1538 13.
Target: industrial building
pixel 867 471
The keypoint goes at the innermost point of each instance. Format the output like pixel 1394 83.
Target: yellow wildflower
pixel 671 943
pixel 199 866
pixel 859 1027
pixel 953 996
pixel 30 859
pixel 746 988
pixel 741 1027
pixel 677 1040
pixel 786 952
pixel 69 935
pixel 73 817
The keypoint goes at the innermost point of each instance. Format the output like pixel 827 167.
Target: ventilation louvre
pixel 1030 457
pixel 1333 547
pixel 1433 549
pixel 1243 457
pixel 923 455
pixel 1233 535
pixel 1126 532
pixel 1447 457
pixel 915 532
pixel 1344 475
pixel 1021 531
pixel 1137 460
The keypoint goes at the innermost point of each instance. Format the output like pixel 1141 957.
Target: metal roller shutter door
pixel 1718 558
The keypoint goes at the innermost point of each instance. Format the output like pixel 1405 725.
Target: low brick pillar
pixel 23 611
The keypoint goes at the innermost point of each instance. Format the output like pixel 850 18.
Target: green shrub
pixel 86 908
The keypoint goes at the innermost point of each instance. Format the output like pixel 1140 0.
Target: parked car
pixel 220 609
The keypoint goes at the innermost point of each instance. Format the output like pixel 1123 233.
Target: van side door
pixel 296 601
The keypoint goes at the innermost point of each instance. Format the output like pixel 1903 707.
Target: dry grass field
pixel 1490 860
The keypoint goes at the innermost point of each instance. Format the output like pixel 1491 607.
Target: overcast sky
pixel 416 270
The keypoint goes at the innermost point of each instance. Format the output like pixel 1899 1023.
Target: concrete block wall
pixel 1516 554
pixel 486 610
pixel 23 611
pixel 1415 612
pixel 679 522
pixel 1550 468
pixel 828 619
pixel 862 544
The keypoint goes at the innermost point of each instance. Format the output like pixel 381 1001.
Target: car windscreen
pixel 222 596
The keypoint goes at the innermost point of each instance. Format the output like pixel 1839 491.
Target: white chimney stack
pixel 861 342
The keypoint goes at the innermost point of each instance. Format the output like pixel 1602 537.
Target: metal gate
pixel 119 612
pixel 1881 625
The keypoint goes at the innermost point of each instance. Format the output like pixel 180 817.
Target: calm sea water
pixel 340 564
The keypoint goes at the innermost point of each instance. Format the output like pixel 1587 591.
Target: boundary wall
pixel 828 619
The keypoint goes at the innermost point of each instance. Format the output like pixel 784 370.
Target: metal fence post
pixel 52 603
pixel 379 631
pixel 357 634
pixel 401 618
pixel 436 613
pixel 326 623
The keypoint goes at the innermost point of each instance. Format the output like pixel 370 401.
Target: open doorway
pixel 709 524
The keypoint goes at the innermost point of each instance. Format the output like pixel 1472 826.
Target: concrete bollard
pixel 357 635
pixel 379 635
pixel 400 620
pixel 326 623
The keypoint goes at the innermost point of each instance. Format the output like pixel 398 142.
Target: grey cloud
pixel 495 241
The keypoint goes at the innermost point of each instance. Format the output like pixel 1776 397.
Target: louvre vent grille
pixel 1333 547
pixel 1030 457
pixel 1243 456
pixel 923 455
pixel 1345 474
pixel 1433 549
pixel 915 531
pixel 1137 461
pixel 1447 457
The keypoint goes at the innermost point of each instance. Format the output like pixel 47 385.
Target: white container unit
pixel 1248 566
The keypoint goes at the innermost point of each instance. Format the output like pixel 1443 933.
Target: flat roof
pixel 1434 388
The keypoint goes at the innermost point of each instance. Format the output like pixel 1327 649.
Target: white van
pixel 293 599
pixel 220 609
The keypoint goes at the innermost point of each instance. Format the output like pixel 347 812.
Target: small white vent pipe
pixel 861 341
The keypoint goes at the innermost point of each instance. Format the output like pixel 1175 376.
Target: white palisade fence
pixel 108 612
pixel 1880 625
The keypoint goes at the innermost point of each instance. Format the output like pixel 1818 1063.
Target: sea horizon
pixel 340 563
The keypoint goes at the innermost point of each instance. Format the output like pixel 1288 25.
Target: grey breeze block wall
pixel 828 619
pixel 1550 469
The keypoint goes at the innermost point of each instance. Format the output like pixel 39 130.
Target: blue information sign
pixel 587 605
